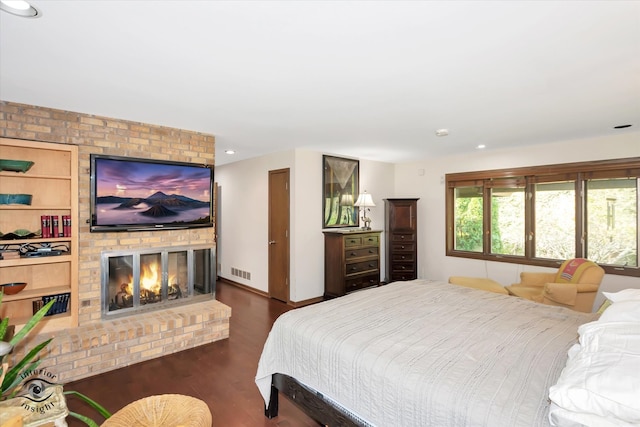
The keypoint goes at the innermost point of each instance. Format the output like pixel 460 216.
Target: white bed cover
pixel 426 353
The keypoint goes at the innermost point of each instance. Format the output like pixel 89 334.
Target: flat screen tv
pixel 130 194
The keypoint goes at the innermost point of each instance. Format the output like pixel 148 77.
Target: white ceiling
pixel 365 79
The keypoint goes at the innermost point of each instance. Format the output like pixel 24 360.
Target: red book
pixel 66 225
pixel 45 223
pixel 55 226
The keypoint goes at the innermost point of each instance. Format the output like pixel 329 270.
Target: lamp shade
pixel 364 200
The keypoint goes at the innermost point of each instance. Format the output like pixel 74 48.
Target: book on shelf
pixel 60 306
pixel 55 226
pixel 45 223
pixel 66 225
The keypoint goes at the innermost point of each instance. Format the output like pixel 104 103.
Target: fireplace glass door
pixel 143 280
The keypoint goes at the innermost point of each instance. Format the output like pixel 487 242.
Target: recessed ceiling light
pixel 481 146
pixel 19 8
pixel 622 126
pixel 230 151
pixel 442 132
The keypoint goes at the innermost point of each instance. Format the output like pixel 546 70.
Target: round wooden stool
pixel 167 410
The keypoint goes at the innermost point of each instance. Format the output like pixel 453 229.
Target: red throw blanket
pixel 571 270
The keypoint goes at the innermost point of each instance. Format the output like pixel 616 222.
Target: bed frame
pixel 310 402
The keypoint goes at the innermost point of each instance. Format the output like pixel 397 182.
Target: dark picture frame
pixel 340 186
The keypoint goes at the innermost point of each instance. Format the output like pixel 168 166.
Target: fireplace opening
pixel 141 280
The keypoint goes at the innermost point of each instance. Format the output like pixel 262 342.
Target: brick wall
pixel 121 341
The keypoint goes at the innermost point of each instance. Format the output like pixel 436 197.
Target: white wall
pixel 425 179
pixel 243 217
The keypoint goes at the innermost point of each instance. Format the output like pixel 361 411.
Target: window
pixel 612 221
pixel 546 214
pixel 507 217
pixel 554 208
pixel 468 219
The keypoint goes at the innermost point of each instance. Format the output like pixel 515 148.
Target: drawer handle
pixel 354 268
pixel 401 237
pixel 402 247
pixel 403 268
pixel 402 257
pixel 353 254
pixel 371 251
pixel 352 241
pixel 372 265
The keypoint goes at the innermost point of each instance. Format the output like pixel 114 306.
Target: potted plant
pixel 11 378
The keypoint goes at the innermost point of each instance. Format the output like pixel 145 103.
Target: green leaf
pixel 95 405
pixel 88 421
pixel 15 370
pixel 13 387
pixel 4 325
pixel 32 323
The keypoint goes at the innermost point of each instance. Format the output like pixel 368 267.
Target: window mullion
pixel 581 219
pixel 486 220
pixel 529 221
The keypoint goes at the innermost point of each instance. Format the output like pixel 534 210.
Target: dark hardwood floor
pixel 221 373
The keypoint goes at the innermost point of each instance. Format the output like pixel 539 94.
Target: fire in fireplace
pixel 133 280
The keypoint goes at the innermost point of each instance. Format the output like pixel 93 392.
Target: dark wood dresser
pixel 351 261
pixel 401 230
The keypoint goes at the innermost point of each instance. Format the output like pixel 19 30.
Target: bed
pixel 419 353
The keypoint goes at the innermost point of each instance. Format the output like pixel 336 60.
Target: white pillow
pixel 623 311
pixel 624 295
pixel 601 377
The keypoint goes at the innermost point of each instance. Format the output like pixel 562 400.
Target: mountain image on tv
pixel 158 205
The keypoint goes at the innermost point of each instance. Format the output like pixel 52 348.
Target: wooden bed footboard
pixel 311 403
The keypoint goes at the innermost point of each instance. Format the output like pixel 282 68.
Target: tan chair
pixel 574 285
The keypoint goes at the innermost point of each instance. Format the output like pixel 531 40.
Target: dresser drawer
pixel 361 267
pixel 402 276
pixel 402 267
pixel 371 240
pixel 362 282
pixel 402 237
pixel 403 256
pixel 352 241
pixel 360 253
pixel 399 247
pixel 362 240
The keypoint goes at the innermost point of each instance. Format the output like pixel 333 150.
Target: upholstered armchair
pixel 574 285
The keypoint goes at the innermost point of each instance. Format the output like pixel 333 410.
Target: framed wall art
pixel 339 192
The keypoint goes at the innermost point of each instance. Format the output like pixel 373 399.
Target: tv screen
pixel 142 194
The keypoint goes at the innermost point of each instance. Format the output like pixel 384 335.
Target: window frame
pixel 579 173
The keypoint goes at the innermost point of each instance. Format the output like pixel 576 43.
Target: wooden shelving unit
pixel 53 183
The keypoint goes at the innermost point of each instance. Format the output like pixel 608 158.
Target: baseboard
pixel 294 304
pixel 298 304
pixel 241 286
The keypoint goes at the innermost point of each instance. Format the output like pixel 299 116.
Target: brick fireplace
pixel 99 345
pixel 138 281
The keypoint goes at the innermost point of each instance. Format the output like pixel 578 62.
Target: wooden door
pixel 279 234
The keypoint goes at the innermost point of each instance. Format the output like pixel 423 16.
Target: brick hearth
pixel 101 347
